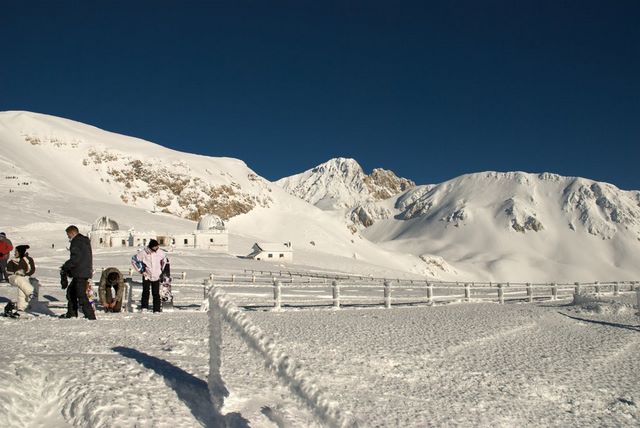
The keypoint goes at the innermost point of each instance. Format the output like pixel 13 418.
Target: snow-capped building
pixel 272 252
pixel 105 233
pixel 210 234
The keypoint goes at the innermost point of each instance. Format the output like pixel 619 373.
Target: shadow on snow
pixel 610 324
pixel 190 389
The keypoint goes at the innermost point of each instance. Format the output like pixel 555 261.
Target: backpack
pixel 137 264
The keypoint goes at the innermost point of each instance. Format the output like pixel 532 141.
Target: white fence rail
pixel 285 368
pixel 279 295
pixel 279 290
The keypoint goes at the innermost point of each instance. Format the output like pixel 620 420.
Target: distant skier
pixel 150 262
pixel 111 290
pixel 6 246
pixel 21 267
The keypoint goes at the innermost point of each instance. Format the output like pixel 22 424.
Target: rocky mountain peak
pixel 341 183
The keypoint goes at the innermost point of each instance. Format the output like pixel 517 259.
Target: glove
pixel 64 281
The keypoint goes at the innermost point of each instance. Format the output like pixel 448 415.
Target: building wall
pixel 278 256
pixel 100 238
pixel 183 241
pixel 214 241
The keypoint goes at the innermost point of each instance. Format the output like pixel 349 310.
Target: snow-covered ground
pixel 477 364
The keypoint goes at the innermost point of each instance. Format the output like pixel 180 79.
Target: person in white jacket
pixel 21 267
pixel 153 260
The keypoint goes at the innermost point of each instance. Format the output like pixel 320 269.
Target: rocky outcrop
pixel 601 208
pixel 342 184
pixel 383 184
pixel 172 188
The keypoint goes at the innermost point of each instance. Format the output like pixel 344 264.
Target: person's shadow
pixel 190 389
pixel 610 324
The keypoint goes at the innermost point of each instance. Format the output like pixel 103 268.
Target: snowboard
pixel 166 296
pixel 91 295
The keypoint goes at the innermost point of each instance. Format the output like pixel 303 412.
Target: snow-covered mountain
pixel 83 160
pixel 341 184
pixel 495 225
pixel 487 226
pixel 57 171
pixel 536 225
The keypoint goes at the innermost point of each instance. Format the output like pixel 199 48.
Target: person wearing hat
pixel 80 268
pixel 153 260
pixel 21 267
pixel 5 252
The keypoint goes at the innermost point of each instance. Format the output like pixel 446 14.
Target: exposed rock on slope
pixel 341 184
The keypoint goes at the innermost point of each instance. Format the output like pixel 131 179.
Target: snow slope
pixel 59 172
pixel 512 226
pixel 519 226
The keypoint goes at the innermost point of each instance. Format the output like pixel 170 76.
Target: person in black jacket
pixel 80 268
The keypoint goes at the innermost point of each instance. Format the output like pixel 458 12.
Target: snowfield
pixel 477 364
pixel 560 363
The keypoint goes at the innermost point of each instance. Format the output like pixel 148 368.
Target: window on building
pixel 124 242
pixel 210 239
pixel 281 255
pixel 186 241
pixel 270 255
pixel 101 240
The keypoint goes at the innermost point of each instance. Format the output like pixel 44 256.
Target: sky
pixel 430 90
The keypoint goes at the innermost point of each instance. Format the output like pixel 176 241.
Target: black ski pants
pixel 155 292
pixel 77 299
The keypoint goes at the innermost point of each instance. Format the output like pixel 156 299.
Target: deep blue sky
pixel 430 90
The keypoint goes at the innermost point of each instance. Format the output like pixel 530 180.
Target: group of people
pixel 151 262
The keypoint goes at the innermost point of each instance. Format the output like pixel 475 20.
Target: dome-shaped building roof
pixel 104 223
pixel 210 222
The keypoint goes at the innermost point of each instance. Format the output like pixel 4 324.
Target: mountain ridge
pixel 486 226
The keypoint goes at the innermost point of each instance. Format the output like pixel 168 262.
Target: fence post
pixel 597 284
pixel 217 390
pixel 616 288
pixel 277 295
pixel 500 294
pixel 429 292
pixel 577 285
pixel 554 291
pixel 387 294
pixel 467 292
pixel 130 271
pixel 638 297
pixel 335 288
pixel 529 292
pixel 128 306
pixel 233 277
pixel 253 279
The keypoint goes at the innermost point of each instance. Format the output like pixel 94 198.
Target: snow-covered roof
pixel 209 222
pixel 104 223
pixel 272 247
